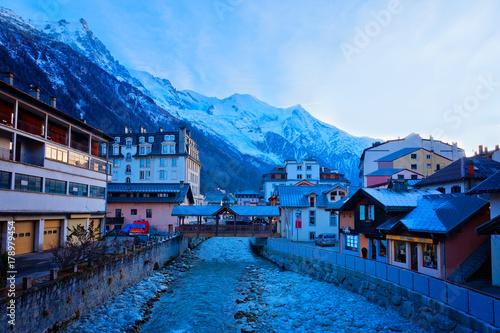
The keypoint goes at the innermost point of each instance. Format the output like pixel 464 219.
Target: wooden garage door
pixel 24 237
pixel 51 234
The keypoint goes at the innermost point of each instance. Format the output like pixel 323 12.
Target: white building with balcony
pixel 169 157
pixel 52 175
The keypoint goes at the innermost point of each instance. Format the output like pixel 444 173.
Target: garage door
pixel 51 234
pixel 24 237
pixel 97 226
pixel 75 222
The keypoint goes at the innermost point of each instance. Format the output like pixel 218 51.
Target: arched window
pixel 127 180
pixel 129 157
pixel 128 169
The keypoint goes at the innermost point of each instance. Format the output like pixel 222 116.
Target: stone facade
pixel 429 314
pixel 58 303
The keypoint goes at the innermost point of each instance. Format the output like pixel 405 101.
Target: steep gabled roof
pixel 490 185
pixel 458 170
pixel 440 214
pixel 384 172
pixel 296 196
pixel 391 200
pixel 179 192
pixel 397 154
pixel 489 228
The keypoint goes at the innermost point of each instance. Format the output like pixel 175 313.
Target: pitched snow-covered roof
pixel 397 154
pixel 442 213
pixel 384 172
pixel 296 196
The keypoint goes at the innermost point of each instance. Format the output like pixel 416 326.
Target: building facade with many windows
pixel 151 158
pixel 52 173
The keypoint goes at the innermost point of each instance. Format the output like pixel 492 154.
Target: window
pixel 312 217
pixel 103 149
pixel 174 161
pixel 172 149
pixel 148 150
pixel 312 235
pixel 430 256
pixel 441 189
pixel 117 139
pixel 311 201
pixel 333 195
pixel 148 163
pixel 28 183
pixel 401 176
pixel 78 160
pixel 333 219
pixel 371 212
pixel 142 151
pixel 428 166
pixel 97 192
pixel 55 186
pixel 299 176
pixel 129 157
pixel 414 167
pixel 351 242
pixel 118 212
pixel 299 167
pixel 162 162
pixel 169 138
pixel 429 156
pixel 145 175
pixel 56 154
pixel 438 167
pixel 308 176
pixel 133 212
pixel 456 189
pixel 400 251
pixel 148 174
pixel 128 169
pixel 174 175
pixel 162 174
pixel 308 167
pixel 116 150
pixel 151 139
pixel 149 213
pixel 142 163
pixel 127 180
pixel 382 252
pixel 141 139
pixel 129 144
pixel 80 190
pixel 414 177
pixel 5 178
pixel 116 163
pixel 413 156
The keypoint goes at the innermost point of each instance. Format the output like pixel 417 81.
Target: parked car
pixel 139 227
pixel 325 239
pixel 125 231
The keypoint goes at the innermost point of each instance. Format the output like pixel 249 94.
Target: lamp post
pixel 298 214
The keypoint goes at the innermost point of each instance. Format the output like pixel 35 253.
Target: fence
pixel 477 304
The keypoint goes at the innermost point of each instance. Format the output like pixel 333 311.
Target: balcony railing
pixel 5 154
pixel 59 138
pixel 114 220
pixel 80 146
pixel 30 128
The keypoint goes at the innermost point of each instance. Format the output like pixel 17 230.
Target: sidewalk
pixel 33 264
pixel 309 244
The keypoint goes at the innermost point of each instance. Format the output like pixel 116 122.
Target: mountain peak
pixel 85 25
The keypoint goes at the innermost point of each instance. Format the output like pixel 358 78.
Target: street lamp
pixel 298 214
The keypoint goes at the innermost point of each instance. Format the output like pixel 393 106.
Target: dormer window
pixel 169 138
pixel 142 151
pixel 148 150
pixel 151 139
pixel 129 143
pixel 117 139
pixel 312 200
pixel 141 139
pixel 116 150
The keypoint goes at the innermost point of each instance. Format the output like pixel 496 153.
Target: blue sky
pixel 376 68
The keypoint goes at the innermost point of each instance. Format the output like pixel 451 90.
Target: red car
pixel 139 227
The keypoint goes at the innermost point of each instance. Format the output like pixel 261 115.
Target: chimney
pixel 486 149
pixel 497 147
pixel 454 151
pixel 35 92
pixel 161 129
pixel 432 143
pixel 126 130
pixel 470 168
pixel 9 78
pixel 53 101
pixel 182 184
pixel 84 120
pixel 480 149
pixel 143 129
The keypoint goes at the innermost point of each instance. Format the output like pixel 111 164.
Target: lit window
pixel 430 256
pixel 400 251
pixel 351 242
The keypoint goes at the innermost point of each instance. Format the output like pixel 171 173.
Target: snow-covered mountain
pixel 244 127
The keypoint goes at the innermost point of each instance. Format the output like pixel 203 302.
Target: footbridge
pixel 226 221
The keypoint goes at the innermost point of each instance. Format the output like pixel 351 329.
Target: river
pixel 230 289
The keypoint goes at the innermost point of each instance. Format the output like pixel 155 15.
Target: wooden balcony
pixel 214 230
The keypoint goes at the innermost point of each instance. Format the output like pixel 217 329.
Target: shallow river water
pixel 230 289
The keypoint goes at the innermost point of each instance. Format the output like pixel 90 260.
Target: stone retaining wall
pixel 427 313
pixel 50 306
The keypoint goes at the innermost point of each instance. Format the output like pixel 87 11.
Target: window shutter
pixel 362 212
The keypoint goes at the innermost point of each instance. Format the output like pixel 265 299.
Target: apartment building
pixel 156 158
pixel 52 173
